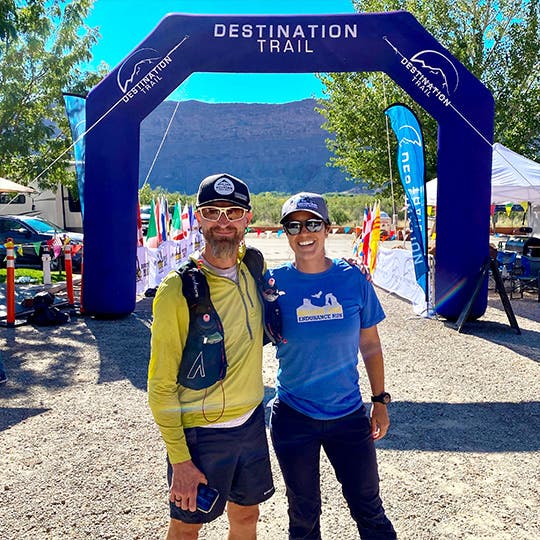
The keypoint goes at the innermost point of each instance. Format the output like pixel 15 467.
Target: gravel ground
pixel 81 457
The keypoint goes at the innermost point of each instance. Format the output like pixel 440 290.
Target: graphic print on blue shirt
pixel 309 312
pixel 322 315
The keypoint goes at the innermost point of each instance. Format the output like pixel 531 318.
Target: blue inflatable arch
pixel 394 43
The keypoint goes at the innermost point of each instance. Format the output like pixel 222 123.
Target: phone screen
pixel 206 498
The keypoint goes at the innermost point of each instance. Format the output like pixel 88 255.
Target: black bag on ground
pixel 45 314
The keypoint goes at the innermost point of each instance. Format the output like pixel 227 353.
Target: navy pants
pixel 347 442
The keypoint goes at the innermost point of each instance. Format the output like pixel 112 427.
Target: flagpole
pixel 429 292
pixel 406 220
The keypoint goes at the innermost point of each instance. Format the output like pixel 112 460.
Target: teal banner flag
pixel 410 160
pixel 76 113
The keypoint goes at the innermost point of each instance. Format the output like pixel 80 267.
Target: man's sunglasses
pixel 312 225
pixel 213 213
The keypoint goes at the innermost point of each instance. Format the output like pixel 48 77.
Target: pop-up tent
pixel 8 186
pixel 514 178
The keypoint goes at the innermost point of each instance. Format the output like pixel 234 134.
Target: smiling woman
pixel 329 313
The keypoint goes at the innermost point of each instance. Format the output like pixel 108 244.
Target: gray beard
pixel 222 248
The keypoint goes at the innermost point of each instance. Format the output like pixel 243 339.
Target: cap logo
pixel 307 204
pixel 224 186
pixel 304 203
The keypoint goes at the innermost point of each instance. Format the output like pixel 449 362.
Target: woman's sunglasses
pixel 213 213
pixel 312 225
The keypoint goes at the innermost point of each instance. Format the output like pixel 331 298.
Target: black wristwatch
pixel 384 397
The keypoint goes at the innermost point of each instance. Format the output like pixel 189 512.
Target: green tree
pixel 39 58
pixel 8 19
pixel 498 41
pixel 355 115
pixel 146 194
pixel 267 208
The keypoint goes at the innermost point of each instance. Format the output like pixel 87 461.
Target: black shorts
pixel 235 461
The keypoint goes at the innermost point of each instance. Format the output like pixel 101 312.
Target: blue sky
pixel 123 24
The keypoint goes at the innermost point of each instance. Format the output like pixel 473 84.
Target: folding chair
pixel 506 261
pixel 528 279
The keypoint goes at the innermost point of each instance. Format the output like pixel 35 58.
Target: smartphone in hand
pixel 206 498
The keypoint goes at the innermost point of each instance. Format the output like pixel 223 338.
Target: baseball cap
pixel 223 187
pixel 307 202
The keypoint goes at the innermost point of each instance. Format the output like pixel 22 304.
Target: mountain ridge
pixel 273 147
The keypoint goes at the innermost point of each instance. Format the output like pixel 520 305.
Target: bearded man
pixel 215 436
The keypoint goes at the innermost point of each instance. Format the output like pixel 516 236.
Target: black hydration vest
pixel 204 361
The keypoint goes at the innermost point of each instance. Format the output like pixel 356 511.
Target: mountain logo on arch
pixel 135 67
pixel 440 66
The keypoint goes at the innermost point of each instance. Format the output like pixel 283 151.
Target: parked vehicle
pixel 145 217
pixel 32 233
pixel 56 206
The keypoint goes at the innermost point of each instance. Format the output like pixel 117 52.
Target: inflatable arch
pixel 394 43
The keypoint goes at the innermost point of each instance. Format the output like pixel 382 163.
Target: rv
pixel 59 207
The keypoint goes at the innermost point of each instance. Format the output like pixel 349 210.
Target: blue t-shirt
pixel 322 317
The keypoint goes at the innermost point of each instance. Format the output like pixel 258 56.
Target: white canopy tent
pixel 8 186
pixel 514 178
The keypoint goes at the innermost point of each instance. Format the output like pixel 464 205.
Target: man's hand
pixel 185 480
pixel 354 261
pixel 380 422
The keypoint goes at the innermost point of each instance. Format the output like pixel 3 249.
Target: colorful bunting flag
pixel 186 225
pixel 375 236
pixel 192 219
pixel 55 243
pixel 176 224
pixel 157 216
pixel 366 231
pixel 164 219
pixel 152 238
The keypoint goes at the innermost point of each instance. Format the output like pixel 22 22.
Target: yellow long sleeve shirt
pixel 174 406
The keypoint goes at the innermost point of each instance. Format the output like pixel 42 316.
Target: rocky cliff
pixel 273 147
